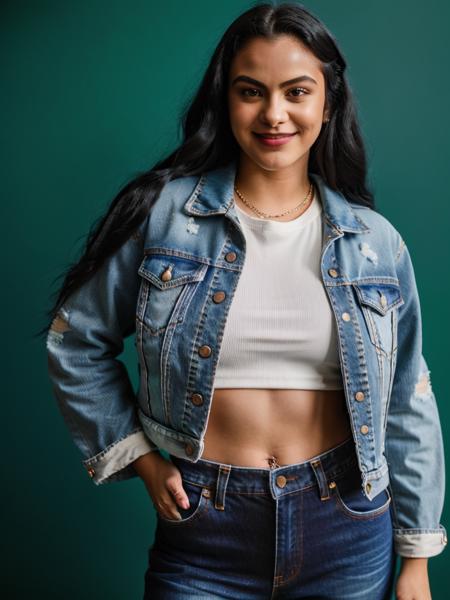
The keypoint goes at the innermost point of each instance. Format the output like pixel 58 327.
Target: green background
pixel 91 94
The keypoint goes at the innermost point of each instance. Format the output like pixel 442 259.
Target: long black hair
pixel 337 154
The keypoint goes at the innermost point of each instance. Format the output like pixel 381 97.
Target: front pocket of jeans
pixel 198 505
pixel 351 501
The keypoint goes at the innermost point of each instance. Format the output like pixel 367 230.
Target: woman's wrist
pixel 416 563
pixel 145 463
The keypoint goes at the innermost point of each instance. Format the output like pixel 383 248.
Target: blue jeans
pixel 303 530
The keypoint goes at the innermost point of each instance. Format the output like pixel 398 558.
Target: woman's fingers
pixel 179 494
pixel 168 509
pixel 165 486
pixel 176 496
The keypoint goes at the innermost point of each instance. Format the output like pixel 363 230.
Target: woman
pixel 278 332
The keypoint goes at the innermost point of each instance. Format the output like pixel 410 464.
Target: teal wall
pixel 91 94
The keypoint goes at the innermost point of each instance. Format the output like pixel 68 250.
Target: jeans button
pixel 281 481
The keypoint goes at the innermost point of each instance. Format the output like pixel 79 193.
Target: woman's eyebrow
pixel 247 79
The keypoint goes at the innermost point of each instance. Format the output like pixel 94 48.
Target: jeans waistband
pixel 318 470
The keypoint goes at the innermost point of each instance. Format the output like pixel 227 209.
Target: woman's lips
pixel 278 140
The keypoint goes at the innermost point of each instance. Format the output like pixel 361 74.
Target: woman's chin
pixel 274 162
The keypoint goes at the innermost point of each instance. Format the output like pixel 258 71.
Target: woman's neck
pixel 272 191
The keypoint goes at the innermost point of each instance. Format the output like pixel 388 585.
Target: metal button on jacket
pixel 230 256
pixel 197 399
pixel 359 396
pixel 167 274
pixel 332 272
pixel 346 316
pixel 364 429
pixel 219 297
pixel 205 351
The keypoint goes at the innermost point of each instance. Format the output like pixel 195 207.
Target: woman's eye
pixel 243 92
pixel 298 89
pixel 252 92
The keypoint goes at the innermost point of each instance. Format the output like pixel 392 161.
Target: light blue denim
pixel 172 283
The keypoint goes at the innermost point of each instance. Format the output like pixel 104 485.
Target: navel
pixel 273 463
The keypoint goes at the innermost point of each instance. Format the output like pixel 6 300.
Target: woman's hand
pixel 163 482
pixel 412 582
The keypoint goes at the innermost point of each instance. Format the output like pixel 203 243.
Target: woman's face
pixel 261 101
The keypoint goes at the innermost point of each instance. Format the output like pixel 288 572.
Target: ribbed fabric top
pixel 280 330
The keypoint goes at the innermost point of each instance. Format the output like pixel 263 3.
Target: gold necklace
pixel 267 216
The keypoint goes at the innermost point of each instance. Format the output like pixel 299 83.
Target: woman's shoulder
pixel 180 187
pixel 381 227
pixel 172 197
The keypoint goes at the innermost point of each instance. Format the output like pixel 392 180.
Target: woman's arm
pixel 413 582
pixel 91 385
pixel 414 444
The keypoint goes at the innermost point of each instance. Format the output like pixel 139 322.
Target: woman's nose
pixel 274 112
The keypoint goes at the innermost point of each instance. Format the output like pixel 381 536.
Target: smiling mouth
pixel 275 136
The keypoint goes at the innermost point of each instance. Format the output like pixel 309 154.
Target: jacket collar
pixel 214 195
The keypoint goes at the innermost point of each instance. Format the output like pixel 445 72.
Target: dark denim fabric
pixel 303 530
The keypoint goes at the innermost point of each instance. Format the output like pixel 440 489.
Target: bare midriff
pixel 270 427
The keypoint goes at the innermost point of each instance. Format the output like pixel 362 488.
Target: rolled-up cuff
pixel 420 543
pixel 113 463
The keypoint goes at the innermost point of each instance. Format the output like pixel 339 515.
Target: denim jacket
pixel 171 285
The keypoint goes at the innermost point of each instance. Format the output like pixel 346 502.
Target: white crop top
pixel 280 330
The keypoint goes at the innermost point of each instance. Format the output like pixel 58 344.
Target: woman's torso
pixel 248 426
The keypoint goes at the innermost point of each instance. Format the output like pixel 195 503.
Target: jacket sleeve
pixel 92 387
pixel 414 445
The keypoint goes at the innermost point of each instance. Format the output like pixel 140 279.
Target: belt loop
pixel 221 486
pixel 321 479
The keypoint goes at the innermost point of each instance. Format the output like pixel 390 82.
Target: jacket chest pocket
pixel 168 285
pixel 378 303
